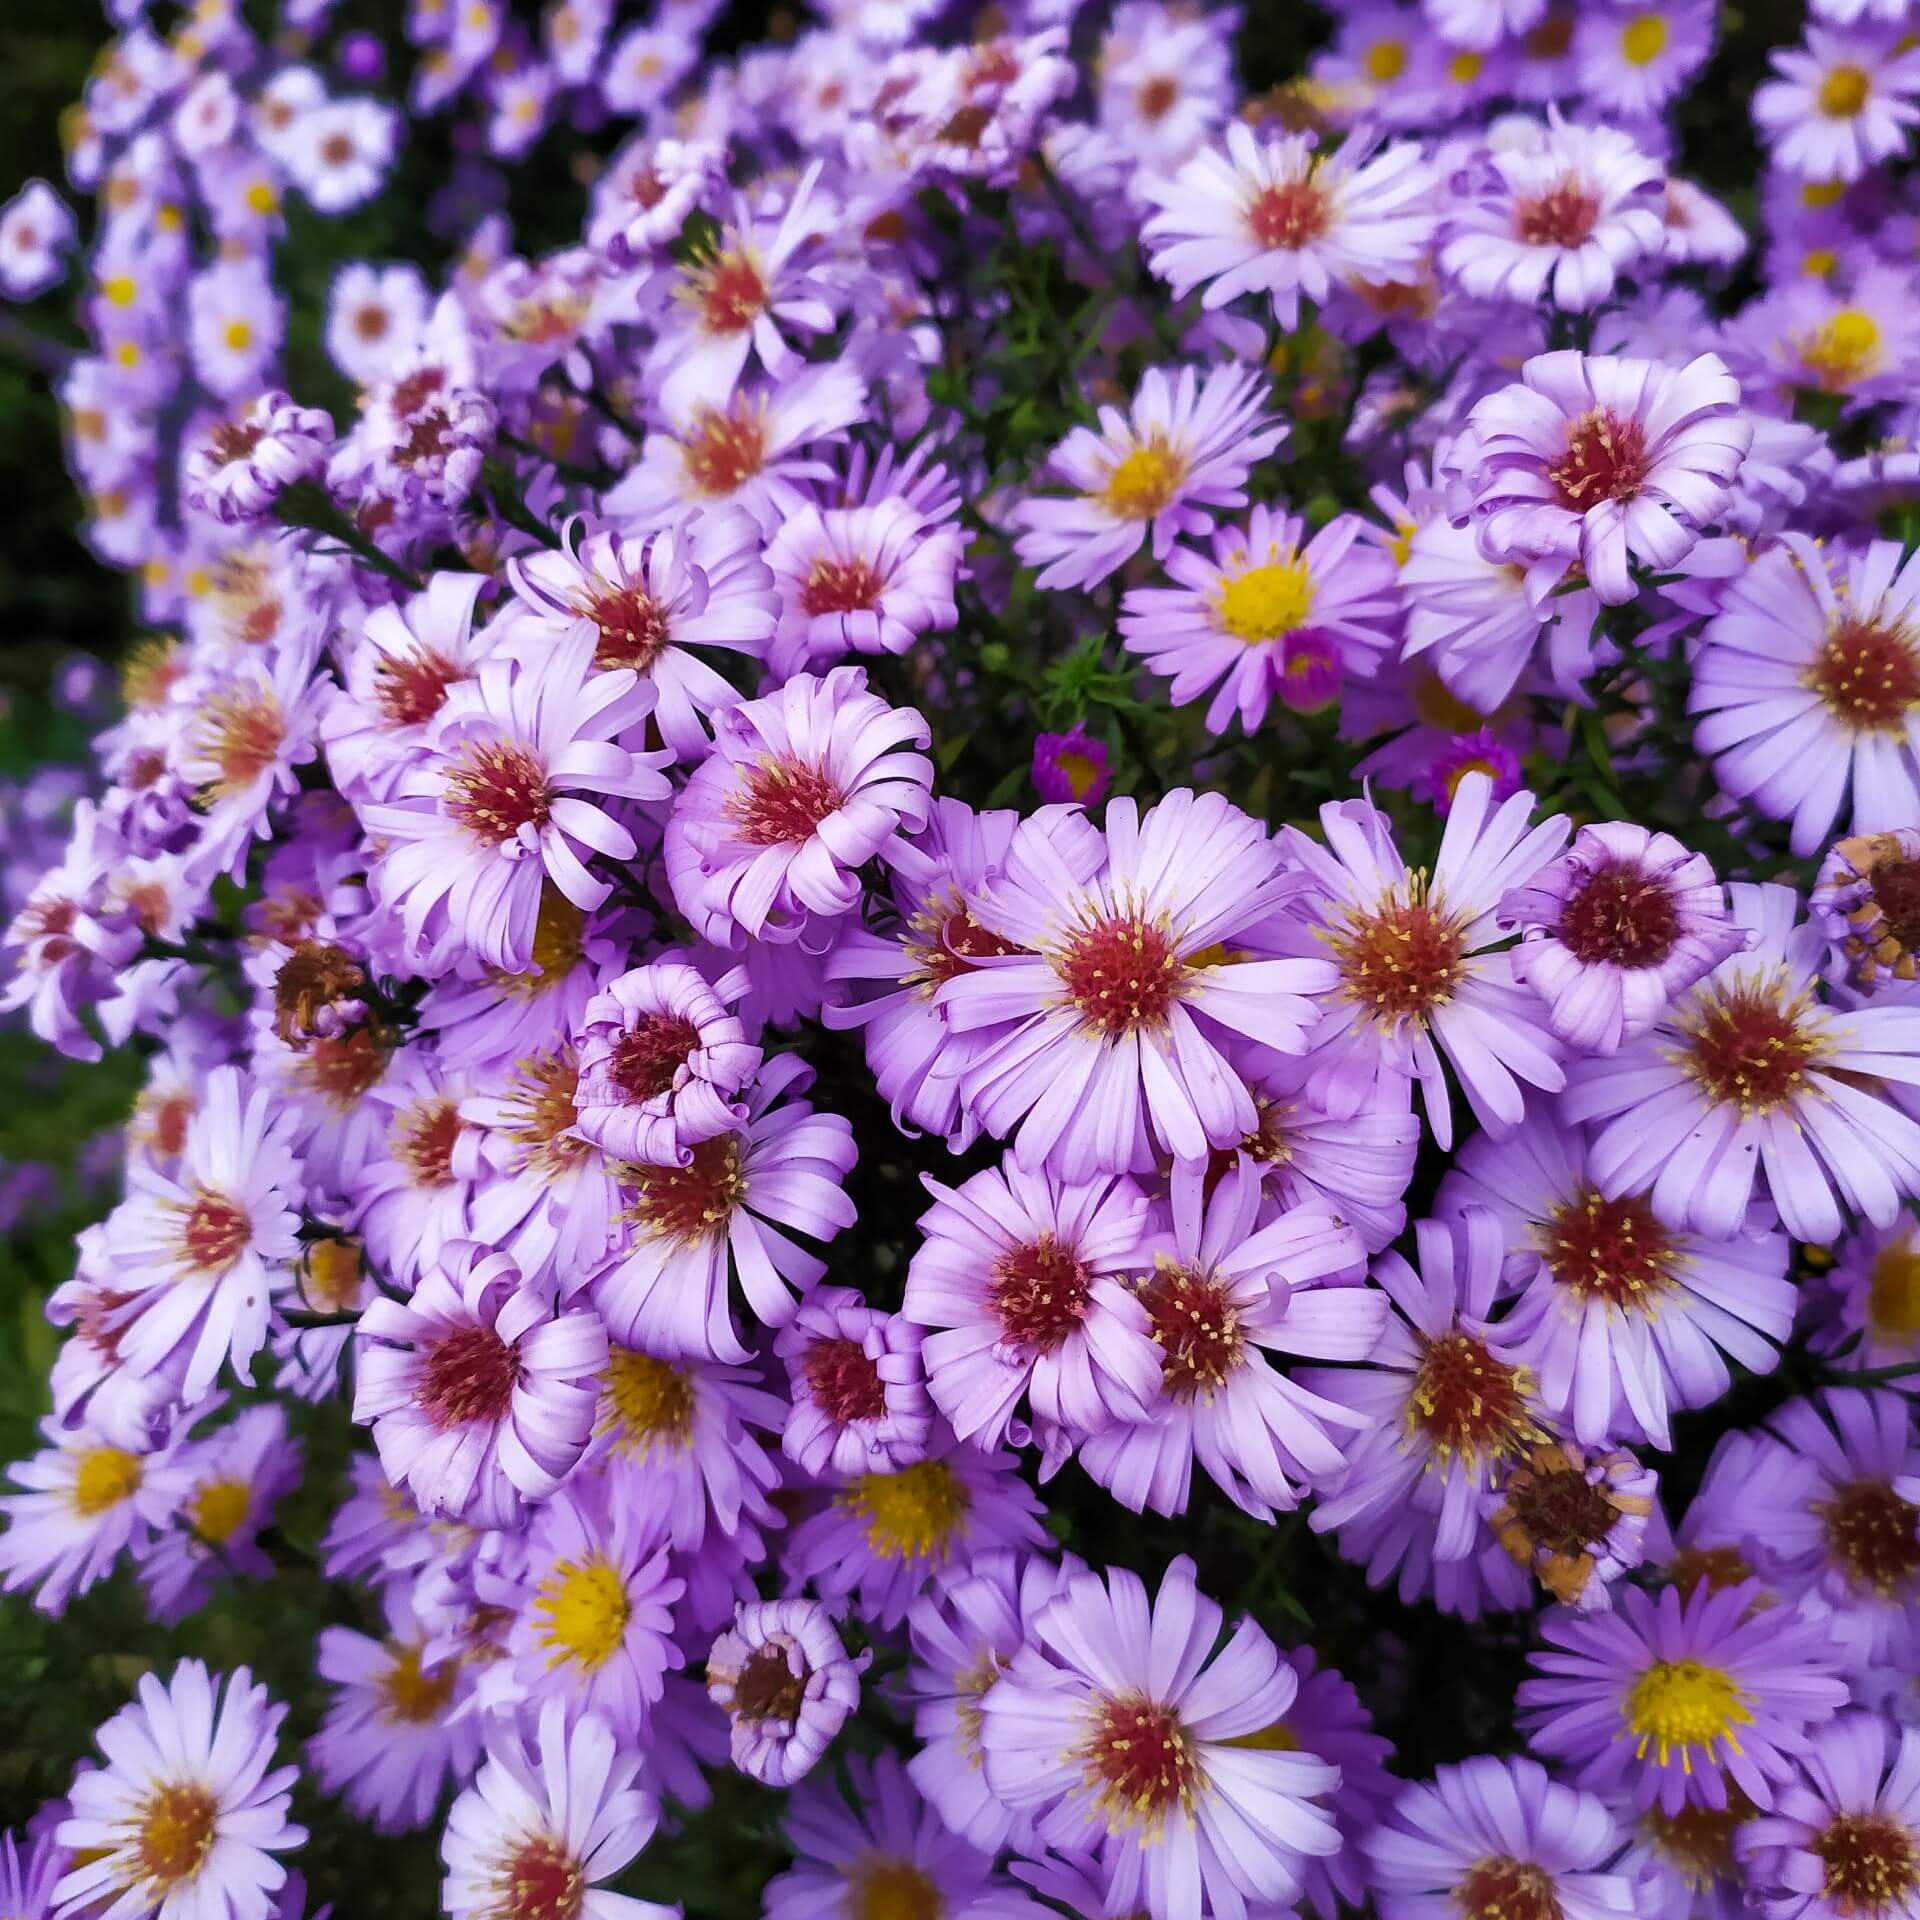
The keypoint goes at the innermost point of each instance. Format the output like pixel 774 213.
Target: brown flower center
pixel 633 628
pixel 1871 1862
pixel 649 1055
pixel 1290 214
pixel 1040 1292
pixel 411 688
pixel 1871 1532
pixel 1499 1888
pixel 1468 1403
pixel 540 1881
pixel 176 1832
pixel 694 1202
pixel 498 792
pixel 1868 675
pixel 1400 961
pixel 1140 1760
pixel 424 1137
pixel 1612 1250
pixel 768 1689
pixel 841 586
pixel 782 802
pixel 1621 916
pixel 214 1233
pixel 314 976
pixel 1564 216
pixel 1746 1049
pixel 470 1374
pixel 844 1381
pixel 1196 1327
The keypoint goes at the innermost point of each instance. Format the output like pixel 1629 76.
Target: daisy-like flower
pixel 339 153
pixel 1019 1276
pixel 1806 689
pixel 1281 217
pixel 1749 1072
pixel 1575 1521
pixel 1493 1839
pixel 208 1247
pixel 549 1817
pixel 786 1683
pixel 859 1391
pixel 1673 1702
pixel 1840 104
pixel 1867 902
pixel 1589 459
pixel 189 1810
pixel 1622 1318
pixel 1220 1291
pixel 1871 1301
pixel 495 804
pixel 1123 1733
pixel 374 316
pixel 36 231
pixel 1631 60
pixel 1842 1839
pixel 1181 453
pixel 1565 212
pixel 692 1227
pixel 243 465
pixel 802 788
pixel 83 1501
pixel 1103 1033
pixel 480 1396
pixel 657 605
pixel 1615 929
pixel 663 1064
pixel 1268 613
pixel 1071 768
pixel 1417 974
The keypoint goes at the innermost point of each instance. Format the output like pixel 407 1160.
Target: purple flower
pixel 36 232
pixel 1327 1719
pixel 1071 768
pixel 243 465
pixel 1866 900
pixel 1575 1521
pixel 859 1393
pixel 786 1683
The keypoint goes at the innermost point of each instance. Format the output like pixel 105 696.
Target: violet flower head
pixel 859 1390
pixel 786 1683
pixel 243 465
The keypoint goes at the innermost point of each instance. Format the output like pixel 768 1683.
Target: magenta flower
pixel 786 1683
pixel 1071 768
pixel 479 1394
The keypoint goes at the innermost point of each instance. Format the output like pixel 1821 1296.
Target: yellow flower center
pixel 105 1478
pixel 120 290
pixel 585 1611
pixel 1464 67
pixel 261 198
pixel 1843 348
pixel 411 1697
pixel 913 1514
pixel 1278 1738
pixel 1821 193
pixel 1893 1291
pixel 1820 263
pixel 176 1832
pixel 1145 482
pixel 893 1890
pixel 239 335
pixel 1844 92
pixel 218 1508
pixel 647 1401
pixel 1643 39
pixel 1268 601
pixel 1680 1705
pixel 1386 60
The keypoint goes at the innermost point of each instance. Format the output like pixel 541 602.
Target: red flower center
pixel 725 450
pixel 1293 214
pixel 1502 1889
pixel 342 1068
pixel 1620 915
pixel 1564 216
pixel 1140 1757
pixel 844 1381
pixel 215 1232
pixel 424 1137
pixel 1868 675
pixel 767 1688
pixel 633 628
pixel 243 735
pixel 1872 1864
pixel 1606 459
pixel 498 791
pixel 648 1056
pixel 1400 961
pixel 948 943
pixel 782 802
pixel 1698 1841
pixel 1195 1326
pixel 730 293
pixel 1122 974
pixel 1749 1051
pixel 841 586
pixel 693 1202
pixel 1612 1250
pixel 1040 1292
pixel 470 1374
pixel 232 441
pixel 1155 98
pixel 1871 1533
pixel 413 392
pixel 1466 1402
pixel 541 1881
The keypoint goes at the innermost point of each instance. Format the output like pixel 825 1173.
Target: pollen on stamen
pixel 1041 1291
pixel 1121 973
pixel 1196 1326
pixel 1605 459
pixel 1621 916
pixel 499 792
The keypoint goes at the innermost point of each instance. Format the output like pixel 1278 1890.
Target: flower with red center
pixel 480 1394
pixel 802 788
pixel 663 1063
pixel 1181 452
pixel 1419 970
pixel 1563 211
pixel 1018 1276
pixel 1751 1072
pixel 493 805
pixel 1806 689
pixel 1104 1036
pixel 1867 902
pixel 1589 459
pixel 859 1391
pixel 667 606
pixel 1622 1319
pixel 209 1247
pixel 556 1809
pixel 786 1683
pixel 188 1810
pixel 645 194
pixel 1611 932
pixel 239 470
pixel 1154 1766
pixel 1280 217
pixel 413 1192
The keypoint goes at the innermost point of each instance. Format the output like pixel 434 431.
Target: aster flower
pixel 1270 613
pixel 1843 1837
pixel 207 1247
pixel 1103 1032
pixel 1418 976
pixel 1631 61
pixel 1576 1521
pixel 1180 453
pixel 548 1819
pixel 243 465
pixel 479 1395
pixel 1020 1277
pixel 1281 218
pixel 1496 1837
pixel 36 232
pixel 1866 900
pixel 1566 211
pixel 495 804
pixel 1615 929
pixel 29 1875
pixel 1620 1317
pixel 1869 1314
pixel 1122 1731
pixel 802 788
pixel 1674 1702
pixel 339 152
pixel 1748 1072
pixel 188 1812
pixel 786 1683
pixel 859 1391
pixel 1589 459
pixel 1806 690
pixel 1840 104
pixel 1071 768
pixel 374 315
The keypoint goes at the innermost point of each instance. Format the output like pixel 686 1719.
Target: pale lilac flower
pixel 786 1683
pixel 1842 103
pixel 859 1391
pixel 36 231
pixel 243 465
pixel 1632 60
pixel 375 317
pixel 339 153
